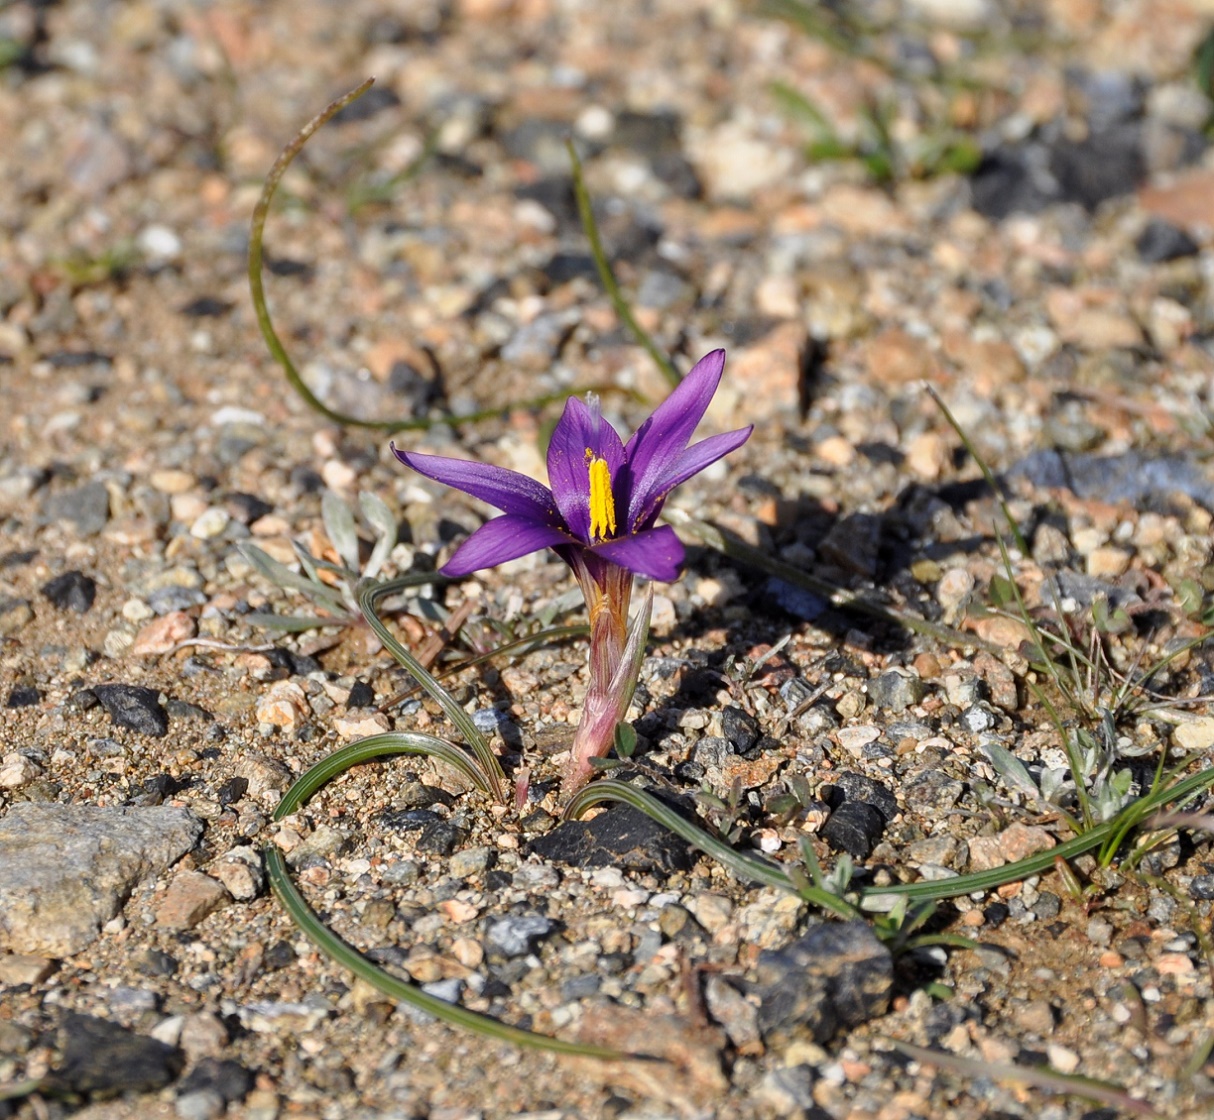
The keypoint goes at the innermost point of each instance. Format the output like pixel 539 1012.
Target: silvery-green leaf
pixel 376 511
pixel 1009 767
pixel 339 524
pixel 293 623
pixel 275 571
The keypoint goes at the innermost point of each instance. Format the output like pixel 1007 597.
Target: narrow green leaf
pixel 344 954
pixel 1040 1077
pixel 607 277
pixel 378 746
pixel 369 594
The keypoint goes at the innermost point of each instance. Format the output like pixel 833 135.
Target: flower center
pixel 602 501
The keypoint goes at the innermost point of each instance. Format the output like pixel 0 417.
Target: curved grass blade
pixel 1096 837
pixel 274 344
pixel 371 593
pixel 378 746
pixel 607 277
pixel 525 644
pixel 452 1014
pixel 1102 1092
pixel 743 865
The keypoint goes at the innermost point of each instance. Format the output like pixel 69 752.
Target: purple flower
pixel 605 496
pixel 599 517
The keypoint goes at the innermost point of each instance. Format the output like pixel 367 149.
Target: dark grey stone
pixel 895 692
pixel 23 696
pixel 1161 241
pixel 836 977
pixel 517 935
pixel 740 728
pixel 622 837
pixel 859 787
pixel 441 837
pixel 135 707
pixel 1130 477
pixel 71 591
pixel 103 1059
pixel 87 507
pixel 1202 887
pixel 1105 165
pixel 794 600
pixel 226 1077
pixel 854 827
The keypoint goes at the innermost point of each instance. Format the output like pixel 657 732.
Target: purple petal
pixel 690 462
pixel 580 429
pixel 659 441
pixel 504 538
pixel 507 490
pixel 653 553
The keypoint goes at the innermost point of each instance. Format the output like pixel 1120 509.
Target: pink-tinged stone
pixel 161 635
pixel 1188 200
pixel 190 898
pixel 1091 319
pixel 895 357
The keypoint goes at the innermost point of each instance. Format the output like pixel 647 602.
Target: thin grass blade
pixel 369 594
pixel 743 865
pixel 378 746
pixel 344 954
pixel 376 511
pixel 1102 1092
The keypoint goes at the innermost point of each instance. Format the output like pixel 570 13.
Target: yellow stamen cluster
pixel 602 501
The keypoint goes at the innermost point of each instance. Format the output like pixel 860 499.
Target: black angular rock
pixel 206 307
pixel 1105 165
pixel 854 827
pixel 441 837
pixel 1161 241
pixel 135 707
pixel 233 790
pixel 740 728
pixel 227 1078
pixel 72 591
pixel 1013 181
pixel 836 977
pixel 23 696
pixel 621 837
pixel 858 787
pixel 362 695
pixel 103 1059
pixel 246 508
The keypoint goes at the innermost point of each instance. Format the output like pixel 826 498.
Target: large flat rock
pixel 65 870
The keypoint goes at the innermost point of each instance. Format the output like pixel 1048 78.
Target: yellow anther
pixel 602 501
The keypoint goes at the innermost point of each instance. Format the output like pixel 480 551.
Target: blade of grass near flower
pixel 274 344
pixel 452 1014
pixel 379 746
pixel 1102 1092
pixel 525 645
pixel 607 277
pixel 743 865
pixel 369 594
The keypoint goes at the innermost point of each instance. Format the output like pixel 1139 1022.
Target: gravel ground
pixel 1057 295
